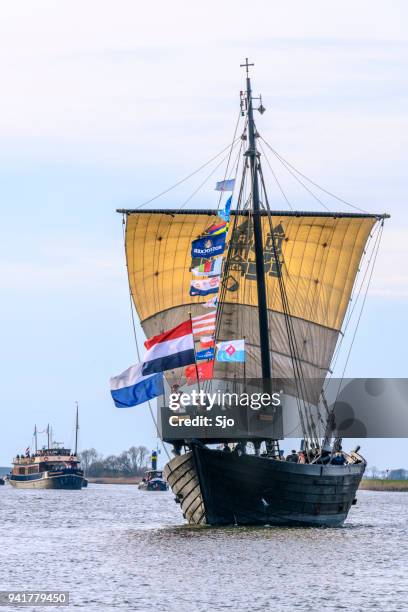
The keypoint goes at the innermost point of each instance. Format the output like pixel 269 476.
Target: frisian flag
pixel 171 349
pixel 208 268
pixel 227 185
pixel 208 246
pixel 204 324
pixel 204 370
pixel 205 286
pixel 131 388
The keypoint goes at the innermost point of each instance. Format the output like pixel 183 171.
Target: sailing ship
pixel 52 467
pixel 285 287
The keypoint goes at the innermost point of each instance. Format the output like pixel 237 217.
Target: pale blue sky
pixel 105 103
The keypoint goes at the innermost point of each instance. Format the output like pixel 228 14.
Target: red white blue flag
pixel 205 287
pixel 171 349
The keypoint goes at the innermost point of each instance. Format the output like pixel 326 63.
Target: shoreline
pixel 123 480
pixel 367 484
pixel 378 484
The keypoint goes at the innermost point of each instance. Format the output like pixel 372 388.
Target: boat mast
pixel 253 156
pixel 76 430
pixel 35 437
pixel 48 436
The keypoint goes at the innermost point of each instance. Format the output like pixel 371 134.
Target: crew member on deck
pixel 302 457
pixel 338 459
pixel 293 457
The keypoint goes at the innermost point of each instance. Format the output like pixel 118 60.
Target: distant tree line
pixel 399 474
pixel 132 462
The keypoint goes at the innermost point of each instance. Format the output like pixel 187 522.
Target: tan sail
pixel 319 253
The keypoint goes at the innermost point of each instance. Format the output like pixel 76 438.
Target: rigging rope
pixel 234 138
pixel 276 178
pixel 207 178
pixel 377 248
pixel 186 178
pixel 355 296
pixel 293 347
pixel 136 340
pixel 302 183
pixel 326 191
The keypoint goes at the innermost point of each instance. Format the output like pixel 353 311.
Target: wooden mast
pixel 76 430
pixel 253 157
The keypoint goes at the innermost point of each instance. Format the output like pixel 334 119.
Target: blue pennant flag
pixel 226 213
pixel 209 246
pixel 207 354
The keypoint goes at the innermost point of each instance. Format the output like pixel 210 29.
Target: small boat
pixel 53 467
pixel 50 468
pixel 153 479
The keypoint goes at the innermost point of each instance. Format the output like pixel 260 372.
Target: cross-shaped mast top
pixel 246 65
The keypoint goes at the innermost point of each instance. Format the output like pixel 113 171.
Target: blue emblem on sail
pixel 209 246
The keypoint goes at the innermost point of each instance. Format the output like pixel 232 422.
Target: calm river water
pixel 114 547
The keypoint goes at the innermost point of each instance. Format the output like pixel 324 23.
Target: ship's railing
pixel 46 458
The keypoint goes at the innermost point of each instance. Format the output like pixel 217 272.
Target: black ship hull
pixel 219 488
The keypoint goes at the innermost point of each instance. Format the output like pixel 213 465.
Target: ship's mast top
pixel 246 65
pixel 76 430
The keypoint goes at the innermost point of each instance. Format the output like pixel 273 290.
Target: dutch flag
pixel 171 349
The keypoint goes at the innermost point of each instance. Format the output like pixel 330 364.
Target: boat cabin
pixel 151 474
pixel 45 460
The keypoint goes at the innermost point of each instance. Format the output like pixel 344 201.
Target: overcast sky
pixel 106 103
